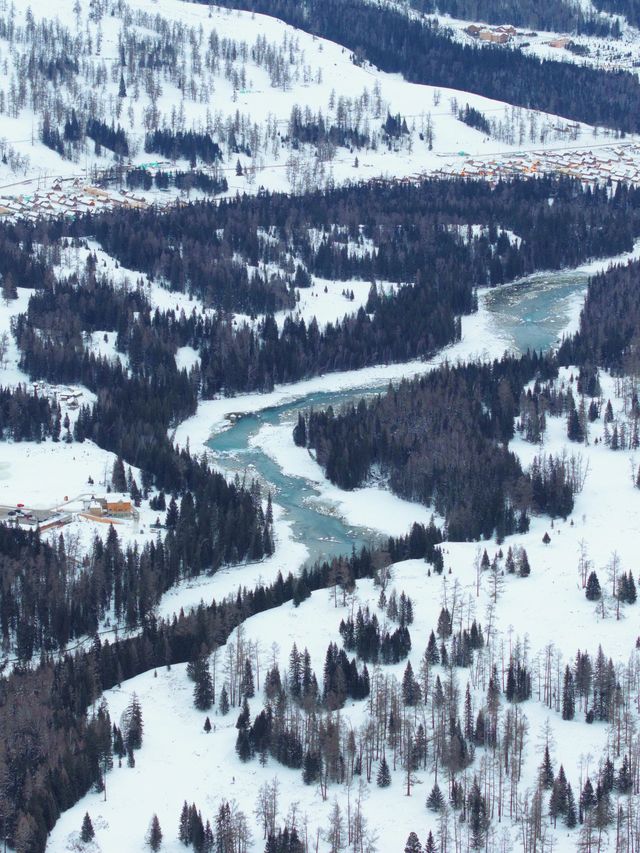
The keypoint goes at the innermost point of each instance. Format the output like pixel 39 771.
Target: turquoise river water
pixel 530 314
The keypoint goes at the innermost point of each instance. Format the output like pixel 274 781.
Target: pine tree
pixel 154 838
pixel 587 797
pixel 574 427
pixel 433 655
pixel 118 476
pixel 207 725
pixel 247 686
pixel 435 800
pixel 133 725
pixel 183 829
pixel 510 564
pixel 570 817
pixel 224 701
pixel 87 832
pixel 607 777
pixel 624 779
pixel 568 696
pixel 172 516
pixel 410 687
pixel 524 569
pixel 593 591
pixel 558 802
pixel 546 770
pixel 383 778
pixel 203 687
pixel 430 844
pixel 244 747
pixel 478 816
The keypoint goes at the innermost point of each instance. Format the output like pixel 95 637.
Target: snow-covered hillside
pixel 143 65
pixel 545 616
pixel 544 619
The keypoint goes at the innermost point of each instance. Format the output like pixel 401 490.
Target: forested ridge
pixel 421 235
pixel 424 52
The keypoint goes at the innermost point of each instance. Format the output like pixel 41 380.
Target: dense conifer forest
pixel 629 8
pixel 443 440
pixel 609 323
pixel 418 237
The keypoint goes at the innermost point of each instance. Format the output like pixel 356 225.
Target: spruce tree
pixel 435 800
pixel 224 701
pixel 86 832
pixel 383 778
pixel 433 655
pixel 207 725
pixel 118 477
pixel 624 779
pixel 410 687
pixel 570 817
pixel 478 816
pixel 154 838
pixel 587 797
pixel 203 687
pixel 546 770
pixel 183 829
pixel 247 686
pixel 568 696
pixel 430 844
pixel 593 591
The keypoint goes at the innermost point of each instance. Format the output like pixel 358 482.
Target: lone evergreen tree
pixel 435 800
pixel 383 778
pixel 155 834
pixel 593 591
pixel 87 832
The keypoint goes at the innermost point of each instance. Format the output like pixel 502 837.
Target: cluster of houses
pixel 66 197
pixel 495 35
pixel 616 163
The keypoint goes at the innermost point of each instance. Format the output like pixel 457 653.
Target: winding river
pixel 530 314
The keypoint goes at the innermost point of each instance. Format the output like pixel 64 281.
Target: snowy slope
pixel 248 99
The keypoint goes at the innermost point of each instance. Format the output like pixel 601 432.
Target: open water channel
pixel 530 314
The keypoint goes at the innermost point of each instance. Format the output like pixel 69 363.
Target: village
pixel 68 197
pixel 592 165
